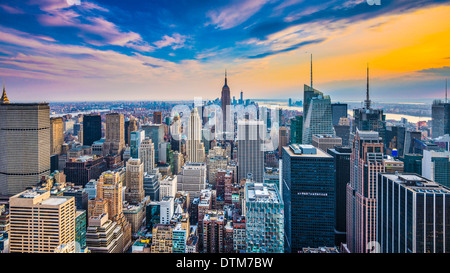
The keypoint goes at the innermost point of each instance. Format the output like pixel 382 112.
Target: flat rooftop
pixel 319 153
pixel 417 183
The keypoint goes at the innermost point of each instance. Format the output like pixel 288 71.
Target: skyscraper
pixel 146 154
pixel 134 181
pixel 250 149
pixel 156 133
pixel 33 217
pixel 341 157
pixel 195 149
pixel 367 118
pixel 56 135
pixel 296 130
pixel 157 117
pixel 366 161
pixel 24 145
pixel 412 214
pixel 92 129
pixel 436 166
pixel 115 134
pixel 264 216
pixel 338 111
pixel 317 113
pixel 225 105
pixel 308 189
pixel 136 137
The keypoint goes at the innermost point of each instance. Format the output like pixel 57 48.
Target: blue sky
pixel 56 50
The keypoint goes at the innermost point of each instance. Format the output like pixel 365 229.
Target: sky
pixel 103 50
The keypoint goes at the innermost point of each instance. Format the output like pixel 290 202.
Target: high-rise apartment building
pixel 33 218
pixel 264 214
pixel 162 238
pixel 251 135
pixel 308 189
pixel 24 145
pixel 213 231
pixel 366 161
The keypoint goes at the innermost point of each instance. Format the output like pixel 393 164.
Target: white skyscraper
pixel 250 149
pixel 195 149
pixel 147 154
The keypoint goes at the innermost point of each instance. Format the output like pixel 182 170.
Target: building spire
pixel 446 91
pixel 311 73
pixel 225 77
pixel 367 90
pixel 4 99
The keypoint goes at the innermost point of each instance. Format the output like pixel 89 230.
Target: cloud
pixel 235 14
pixel 293 47
pixel 12 10
pixel 175 41
pixel 437 71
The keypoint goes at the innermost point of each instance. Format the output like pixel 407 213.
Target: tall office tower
pixel 175 132
pixel 104 235
pixel 318 118
pixel 213 231
pixel 342 130
pixel 134 193
pixel 166 209
pixel 195 149
pixel 296 130
pixel 84 168
pixel 136 138
pixel 395 140
pixel 156 133
pixel 151 184
pixel 366 161
pixel 115 134
pixel 192 178
pixel 412 214
pixel 225 105
pixel 56 135
pixel 309 196
pixel 409 141
pixel 92 129
pixel 283 139
pixel 436 166
pixel 264 214
pixel 110 188
pixel 165 154
pixel 412 163
pixel 168 186
pixel 440 114
pixel 338 111
pixel 80 228
pixel 250 149
pixel 162 238
pixel 33 217
pixel 369 119
pixel 325 142
pixel 132 127
pixel 157 117
pixel 146 154
pixel 24 145
pixel 341 157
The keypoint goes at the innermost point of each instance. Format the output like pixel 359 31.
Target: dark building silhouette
pixel 92 129
pixel 225 104
pixel 341 157
pixel 80 170
pixel 338 111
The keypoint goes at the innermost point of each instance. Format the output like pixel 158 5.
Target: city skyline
pixel 57 50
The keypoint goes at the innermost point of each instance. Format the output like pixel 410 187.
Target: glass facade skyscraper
pixel 308 182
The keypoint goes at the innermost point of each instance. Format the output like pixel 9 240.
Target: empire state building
pixel 225 105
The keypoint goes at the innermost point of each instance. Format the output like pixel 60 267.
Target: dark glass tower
pixel 92 129
pixel 308 182
pixel 297 130
pixel 338 111
pixel 341 157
